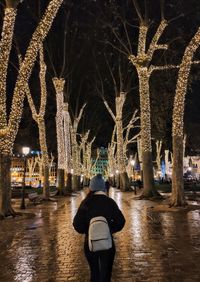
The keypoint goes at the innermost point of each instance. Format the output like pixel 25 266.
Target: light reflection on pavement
pixel 153 246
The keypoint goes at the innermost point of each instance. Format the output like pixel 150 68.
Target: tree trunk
pixel 178 121
pixel 124 182
pixel 148 180
pixel 75 183
pixel 147 165
pixel 61 181
pixel 5 187
pixel 69 182
pixel 43 147
pixel 177 198
pixel 46 189
pixel 86 181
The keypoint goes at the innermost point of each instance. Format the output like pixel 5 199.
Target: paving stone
pixel 153 247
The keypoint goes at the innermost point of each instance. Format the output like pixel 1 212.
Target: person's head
pixel 97 184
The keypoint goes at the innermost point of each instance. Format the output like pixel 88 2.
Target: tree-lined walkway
pixel 151 247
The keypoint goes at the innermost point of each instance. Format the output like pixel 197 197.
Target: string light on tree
pixel 8 134
pixel 59 87
pixel 9 131
pixel 68 153
pixel 178 198
pixel 5 48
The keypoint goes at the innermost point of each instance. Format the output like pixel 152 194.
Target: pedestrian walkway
pixel 153 246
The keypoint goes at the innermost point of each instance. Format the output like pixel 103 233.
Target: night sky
pixel 88 28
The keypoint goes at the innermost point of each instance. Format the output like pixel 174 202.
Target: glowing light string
pixel 8 134
pixel 59 87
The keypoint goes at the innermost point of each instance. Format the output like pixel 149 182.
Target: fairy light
pixel 39 116
pixel 167 161
pixel 8 135
pixel 143 29
pixel 5 48
pixel 89 158
pixel 75 145
pixel 43 86
pixel 177 197
pixel 43 143
pixel 181 87
pixel 59 87
pixel 112 165
pixel 119 102
pixel 128 128
pixel 154 42
pixel 68 153
pixel 142 62
pixel 84 140
pixel 158 153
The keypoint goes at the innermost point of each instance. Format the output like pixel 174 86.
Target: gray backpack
pixel 99 236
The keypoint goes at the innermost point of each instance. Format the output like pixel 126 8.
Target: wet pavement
pixel 153 246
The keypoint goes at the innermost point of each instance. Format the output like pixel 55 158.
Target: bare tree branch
pixel 154 43
pixel 81 112
pixel 156 68
pixel 138 11
pixel 109 109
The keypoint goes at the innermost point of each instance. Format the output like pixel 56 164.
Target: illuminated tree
pixel 67 144
pixel 141 58
pixel 167 162
pixel 88 160
pixel 93 164
pixel 59 87
pixel 142 61
pixel 39 119
pixel 112 164
pixel 122 142
pixel 85 156
pixel 177 198
pixel 76 150
pixel 31 162
pixel 158 153
pixel 9 125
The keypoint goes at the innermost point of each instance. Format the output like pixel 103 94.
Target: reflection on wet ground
pixel 153 246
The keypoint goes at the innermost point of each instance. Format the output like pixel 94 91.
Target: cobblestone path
pixel 155 247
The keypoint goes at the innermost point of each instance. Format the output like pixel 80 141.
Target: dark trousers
pixel 100 264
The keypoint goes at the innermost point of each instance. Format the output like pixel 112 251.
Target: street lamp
pixel 25 152
pixel 132 162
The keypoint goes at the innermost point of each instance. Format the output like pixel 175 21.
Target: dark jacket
pixel 98 205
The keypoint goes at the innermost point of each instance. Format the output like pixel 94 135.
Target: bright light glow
pixel 25 150
pixel 132 162
pixel 190 168
pixel 117 171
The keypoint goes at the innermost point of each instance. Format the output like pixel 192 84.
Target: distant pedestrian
pixel 98 204
pixel 107 186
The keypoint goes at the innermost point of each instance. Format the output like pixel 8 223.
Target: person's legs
pixel 106 259
pixel 93 261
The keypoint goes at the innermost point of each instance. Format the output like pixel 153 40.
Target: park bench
pixel 35 198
